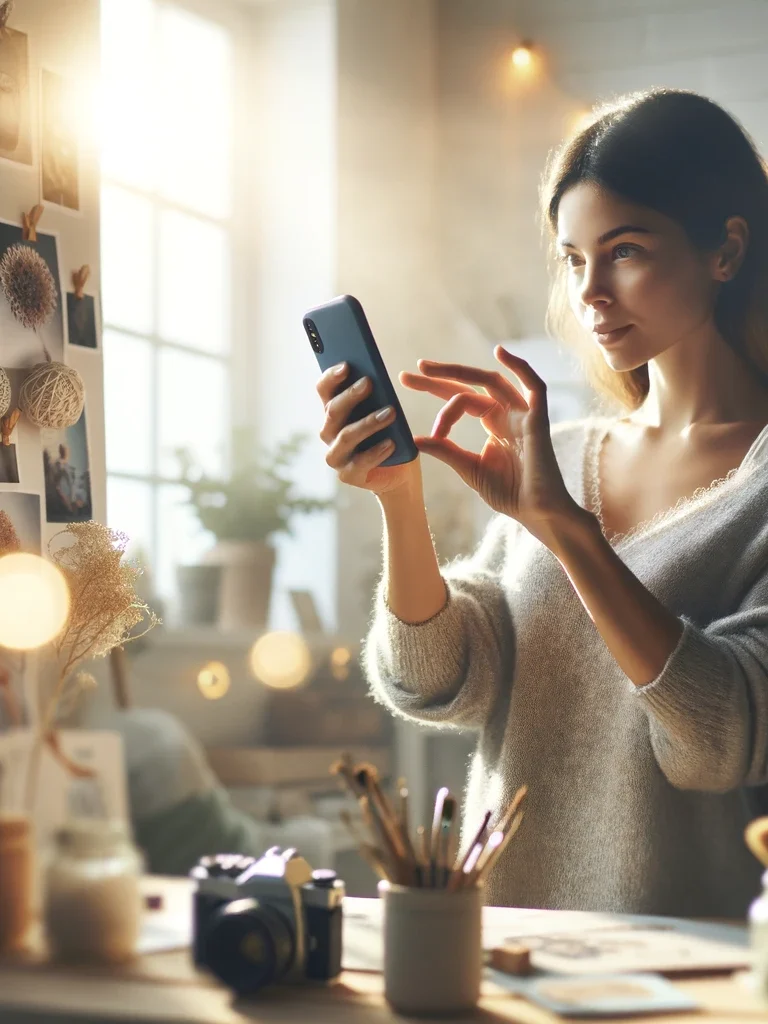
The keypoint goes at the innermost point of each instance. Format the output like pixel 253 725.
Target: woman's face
pixel 635 281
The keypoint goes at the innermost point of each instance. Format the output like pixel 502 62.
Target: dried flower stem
pixel 104 612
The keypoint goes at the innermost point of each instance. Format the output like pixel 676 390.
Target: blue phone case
pixel 345 336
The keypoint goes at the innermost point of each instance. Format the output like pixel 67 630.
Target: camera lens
pixel 248 945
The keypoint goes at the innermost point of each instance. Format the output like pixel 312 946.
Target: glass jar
pixel 758 935
pixel 93 900
pixel 16 863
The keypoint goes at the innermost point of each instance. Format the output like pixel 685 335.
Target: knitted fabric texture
pixel 635 801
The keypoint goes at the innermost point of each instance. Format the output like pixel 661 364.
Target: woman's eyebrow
pixel 623 229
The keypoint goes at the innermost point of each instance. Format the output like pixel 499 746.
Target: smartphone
pixel 338 332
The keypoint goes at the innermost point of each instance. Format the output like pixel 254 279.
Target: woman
pixel 608 640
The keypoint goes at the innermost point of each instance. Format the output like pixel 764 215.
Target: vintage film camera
pixel 261 921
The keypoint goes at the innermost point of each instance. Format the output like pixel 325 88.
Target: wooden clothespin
pixel 29 222
pixel 7 423
pixel 79 277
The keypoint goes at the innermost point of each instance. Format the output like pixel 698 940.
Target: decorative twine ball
pixel 5 393
pixel 52 395
pixel 28 285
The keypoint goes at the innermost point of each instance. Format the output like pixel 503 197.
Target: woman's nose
pixel 594 290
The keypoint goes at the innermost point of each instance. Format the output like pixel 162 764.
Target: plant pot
pixel 198 587
pixel 245 587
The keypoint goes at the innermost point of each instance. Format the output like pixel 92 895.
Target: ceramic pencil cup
pixel 432 949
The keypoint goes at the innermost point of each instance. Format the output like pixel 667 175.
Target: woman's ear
pixel 730 255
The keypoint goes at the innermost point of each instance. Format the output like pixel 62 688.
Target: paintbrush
pixel 497 843
pixel 511 811
pixel 443 861
pixel 379 807
pixel 457 876
pixel 374 858
pixel 434 839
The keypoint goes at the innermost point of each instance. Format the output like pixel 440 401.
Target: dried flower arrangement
pixel 104 613
pixel 28 285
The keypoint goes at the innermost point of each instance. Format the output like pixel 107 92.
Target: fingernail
pixel 359 384
pixel 338 370
pixel 382 414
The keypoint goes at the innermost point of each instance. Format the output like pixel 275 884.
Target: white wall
pixel 63 38
pixel 291 266
pixel 497 127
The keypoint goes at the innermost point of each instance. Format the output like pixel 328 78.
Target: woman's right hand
pixel 364 469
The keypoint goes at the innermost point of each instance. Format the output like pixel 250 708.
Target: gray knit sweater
pixel 635 800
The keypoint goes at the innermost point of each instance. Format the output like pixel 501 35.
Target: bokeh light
pixel 578 121
pixel 34 601
pixel 522 57
pixel 281 660
pixel 213 680
pixel 340 659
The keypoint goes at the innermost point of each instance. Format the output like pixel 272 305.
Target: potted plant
pixel 244 512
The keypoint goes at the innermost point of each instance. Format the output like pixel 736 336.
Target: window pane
pixel 128 91
pixel 127 259
pixel 129 509
pixel 194 282
pixel 128 403
pixel 194 103
pixel 181 540
pixel 193 411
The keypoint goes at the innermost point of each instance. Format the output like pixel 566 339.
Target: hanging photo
pixel 81 320
pixel 20 513
pixel 9 464
pixel 58 134
pixel 22 347
pixel 15 106
pixel 66 470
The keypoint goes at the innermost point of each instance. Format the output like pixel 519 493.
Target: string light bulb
pixel 522 55
pixel 213 680
pixel 34 601
pixel 281 660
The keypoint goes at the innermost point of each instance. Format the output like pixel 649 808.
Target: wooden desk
pixel 164 987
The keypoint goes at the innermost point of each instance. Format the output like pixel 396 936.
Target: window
pixel 166 237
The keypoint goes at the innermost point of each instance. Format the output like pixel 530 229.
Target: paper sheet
pixel 574 942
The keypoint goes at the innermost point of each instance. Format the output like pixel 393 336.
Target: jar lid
pixel 14 826
pixel 85 837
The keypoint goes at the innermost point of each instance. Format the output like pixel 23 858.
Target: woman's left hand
pixel 516 473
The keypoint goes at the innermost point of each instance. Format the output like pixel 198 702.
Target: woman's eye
pixel 624 251
pixel 570 259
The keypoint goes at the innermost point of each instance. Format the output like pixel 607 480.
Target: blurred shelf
pixel 209 636
pixel 276 766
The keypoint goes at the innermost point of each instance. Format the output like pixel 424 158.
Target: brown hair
pixel 684 156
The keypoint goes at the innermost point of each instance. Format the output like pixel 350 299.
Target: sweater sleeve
pixel 708 708
pixel 449 669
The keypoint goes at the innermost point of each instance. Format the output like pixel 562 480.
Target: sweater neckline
pixel 595 434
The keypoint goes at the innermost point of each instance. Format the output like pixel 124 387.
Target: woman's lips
pixel 611 336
